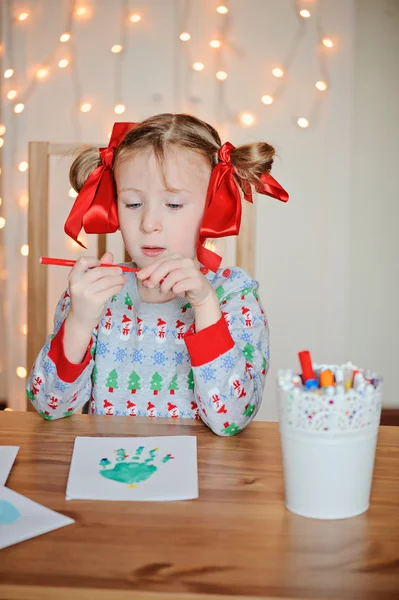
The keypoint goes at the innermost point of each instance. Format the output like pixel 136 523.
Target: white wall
pixel 309 252
pixel 373 292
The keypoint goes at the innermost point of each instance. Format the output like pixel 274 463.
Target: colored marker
pixel 308 376
pixel 61 262
pixel 326 379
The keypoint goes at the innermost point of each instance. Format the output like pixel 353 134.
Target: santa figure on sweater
pixel 126 328
pixel 37 383
pixel 194 410
pixel 109 408
pixel 65 299
pixel 139 328
pixel 237 387
pixel 151 411
pixel 107 325
pixel 226 317
pixel 180 331
pixel 53 402
pixel 247 316
pixel 173 411
pixel 249 369
pixel 217 402
pixel 161 330
pixel 132 408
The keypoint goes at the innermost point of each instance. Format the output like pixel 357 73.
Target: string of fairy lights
pixel 63 56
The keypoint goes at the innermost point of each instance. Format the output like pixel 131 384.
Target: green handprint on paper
pixel 131 471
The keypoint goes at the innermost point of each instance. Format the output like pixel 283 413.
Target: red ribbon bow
pixel 222 216
pixel 95 208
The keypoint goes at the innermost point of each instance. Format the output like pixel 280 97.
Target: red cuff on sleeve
pixel 209 343
pixel 67 371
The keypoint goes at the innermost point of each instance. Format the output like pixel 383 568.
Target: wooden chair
pixel 38 227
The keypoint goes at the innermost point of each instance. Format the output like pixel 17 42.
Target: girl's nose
pixel 150 221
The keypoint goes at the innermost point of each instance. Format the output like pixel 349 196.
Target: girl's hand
pixel 91 286
pixel 181 276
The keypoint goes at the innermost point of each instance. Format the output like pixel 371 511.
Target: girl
pixel 180 338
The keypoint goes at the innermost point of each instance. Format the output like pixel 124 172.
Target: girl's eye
pixel 133 205
pixel 175 206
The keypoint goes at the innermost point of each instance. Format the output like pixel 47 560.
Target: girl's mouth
pixel 152 250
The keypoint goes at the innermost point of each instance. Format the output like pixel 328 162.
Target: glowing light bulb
pixel 185 36
pixel 328 43
pixel 119 109
pixel 21 372
pixel 12 94
pixel 72 193
pixel 23 16
pixel 1 200
pixel 23 201
pixel 2 222
pixel 267 99
pixel 135 18
pixel 82 11
pixel 222 9
pixel 2 129
pixel 321 85
pixel 277 72
pixel 305 14
pixel 198 66
pixel 117 48
pixel 214 44
pixel 302 122
pixel 18 108
pixel 64 62
pixel 42 73
pixel 247 119
pixel 221 75
pixel 24 329
pixel 24 250
pixel 85 107
pixel 8 73
pixel 1 142
pixel 23 166
pixel 65 37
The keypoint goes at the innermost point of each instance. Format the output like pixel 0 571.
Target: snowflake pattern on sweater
pixel 145 359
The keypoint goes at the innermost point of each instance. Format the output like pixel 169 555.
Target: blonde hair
pixel 166 131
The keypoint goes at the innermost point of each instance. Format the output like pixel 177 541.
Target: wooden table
pixel 236 540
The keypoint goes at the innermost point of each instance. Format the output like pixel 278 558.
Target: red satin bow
pixel 222 216
pixel 95 207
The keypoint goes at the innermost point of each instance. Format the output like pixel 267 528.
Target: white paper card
pixel 22 519
pixel 7 457
pixel 134 468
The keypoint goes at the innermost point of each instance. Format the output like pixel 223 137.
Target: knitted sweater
pixel 145 359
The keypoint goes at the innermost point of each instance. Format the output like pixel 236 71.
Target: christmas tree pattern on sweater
pixel 146 360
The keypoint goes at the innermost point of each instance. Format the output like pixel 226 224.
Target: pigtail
pixel 250 161
pixel 83 165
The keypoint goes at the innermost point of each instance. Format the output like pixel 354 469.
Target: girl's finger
pixel 186 285
pixel 172 278
pixel 106 283
pixel 98 273
pixel 163 270
pixel 107 258
pixel 104 296
pixel 83 264
pixel 149 269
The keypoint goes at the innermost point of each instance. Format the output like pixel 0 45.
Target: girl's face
pixel 151 216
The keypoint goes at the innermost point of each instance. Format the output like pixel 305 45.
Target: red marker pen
pixel 308 375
